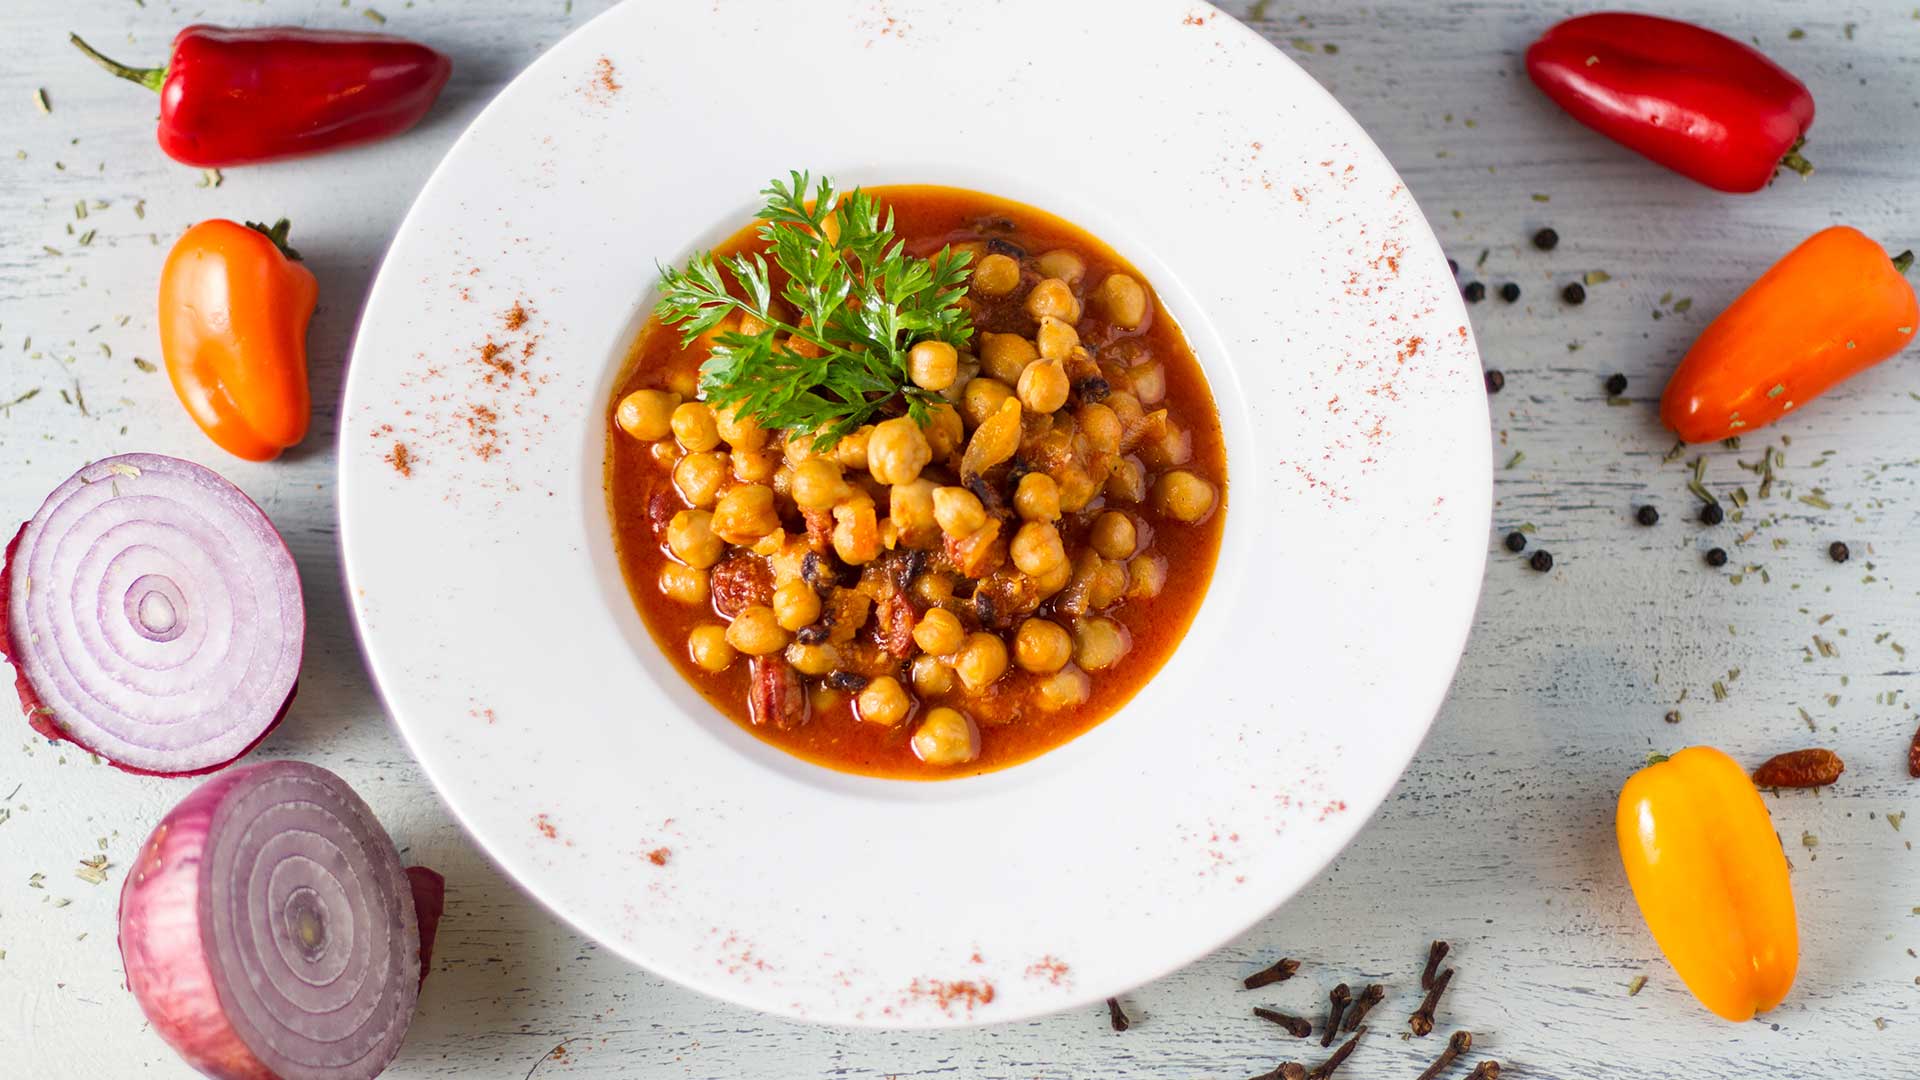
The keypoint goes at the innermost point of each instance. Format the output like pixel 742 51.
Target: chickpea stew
pixel 929 601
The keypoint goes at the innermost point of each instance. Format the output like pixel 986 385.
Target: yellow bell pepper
pixel 1707 869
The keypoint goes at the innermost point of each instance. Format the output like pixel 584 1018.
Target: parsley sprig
pixel 861 301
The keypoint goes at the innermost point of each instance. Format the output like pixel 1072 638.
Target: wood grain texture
pixel 1499 837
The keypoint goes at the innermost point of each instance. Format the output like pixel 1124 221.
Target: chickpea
pixel 795 605
pixel 1122 300
pixel 1063 264
pixel 996 275
pixel 1041 646
pixel 708 647
pixel 756 631
pixel 683 584
pixel 1128 481
pixel 1183 496
pixel 1037 498
pixel 933 365
pixel 755 466
pixel 1077 487
pixel 665 452
pixel 822 698
pixel 737 431
pixel 1113 535
pixel 1101 426
pixel 799 446
pixel 1098 643
pixel 946 737
pixel 1132 417
pixel 931 677
pixel 693 425
pixel 745 514
pixel 1044 386
pixel 958 511
pixel 814 660
pixel 1050 583
pixel 933 589
pixel 884 701
pixel 946 430
pixel 983 398
pixel 1068 687
pixel 1146 576
pixel 700 476
pixel 851 452
pixel 817 484
pixel 1149 383
pixel 1173 446
pixel 1004 356
pixel 910 509
pixel 897 451
pixel 1056 340
pixel 685 382
pixel 1053 297
pixel 1037 548
pixel 981 660
pixel 647 415
pixel 690 538
pixel 939 632
pixel 1105 584
pixel 856 533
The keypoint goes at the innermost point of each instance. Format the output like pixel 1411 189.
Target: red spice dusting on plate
pixel 964 993
pixel 603 84
pixel 1050 969
pixel 401 459
pixel 546 828
pixel 1196 19
pixel 659 856
pixel 516 316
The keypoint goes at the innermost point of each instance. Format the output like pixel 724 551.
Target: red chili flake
pixel 659 856
pixel 965 992
pixel 1051 969
pixel 545 824
pixel 516 316
pixel 401 459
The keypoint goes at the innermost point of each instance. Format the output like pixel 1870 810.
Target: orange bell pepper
pixel 1707 869
pixel 234 307
pixel 1832 308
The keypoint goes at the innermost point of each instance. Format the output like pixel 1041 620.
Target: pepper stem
pixel 1795 161
pixel 1903 261
pixel 278 234
pixel 151 78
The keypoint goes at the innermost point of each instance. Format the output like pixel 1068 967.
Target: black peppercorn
pixel 1510 292
pixel 1616 384
pixel 1546 239
pixel 1711 514
pixel 1495 382
pixel 1474 292
pixel 1516 542
pixel 1646 515
pixel 1574 293
pixel 1837 551
pixel 1716 556
pixel 1541 561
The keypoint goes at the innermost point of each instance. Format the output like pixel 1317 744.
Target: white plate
pixel 497 625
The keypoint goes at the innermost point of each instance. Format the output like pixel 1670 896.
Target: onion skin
pixel 165 929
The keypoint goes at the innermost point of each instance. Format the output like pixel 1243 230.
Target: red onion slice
pixel 269 931
pixel 153 616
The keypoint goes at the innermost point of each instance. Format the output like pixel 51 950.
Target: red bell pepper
pixel 1698 102
pixel 232 97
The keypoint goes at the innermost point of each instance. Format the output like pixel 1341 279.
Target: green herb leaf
pixel 861 304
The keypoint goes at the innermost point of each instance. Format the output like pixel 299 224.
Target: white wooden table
pixel 1499 838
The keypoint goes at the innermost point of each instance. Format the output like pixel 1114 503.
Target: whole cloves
pixel 1460 1043
pixel 1422 1019
pixel 1117 1016
pixel 1325 1069
pixel 1337 1001
pixel 1486 1070
pixel 1281 971
pixel 1435 953
pixel 1297 1026
pixel 1286 1070
pixel 1364 1004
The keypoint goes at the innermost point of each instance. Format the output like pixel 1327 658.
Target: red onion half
pixel 269 932
pixel 153 616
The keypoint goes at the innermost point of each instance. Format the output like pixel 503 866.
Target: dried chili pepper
pixel 1698 102
pixel 1913 756
pixel 1800 769
pixel 233 97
